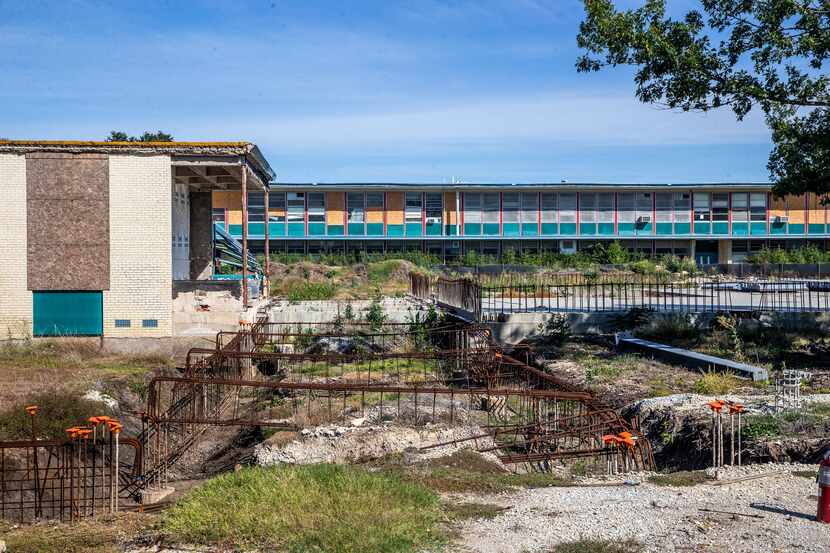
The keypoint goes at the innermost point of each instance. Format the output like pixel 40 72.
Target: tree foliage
pixel 734 53
pixel 158 136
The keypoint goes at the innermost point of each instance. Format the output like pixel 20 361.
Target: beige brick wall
pixel 15 298
pixel 140 246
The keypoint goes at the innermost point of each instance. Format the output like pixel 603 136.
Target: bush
pixel 375 315
pixel 307 291
pixel 669 327
pixel 56 412
pixel 328 508
pixel 714 384
pixel 759 426
pixel 803 254
pixel 675 264
pixel 557 329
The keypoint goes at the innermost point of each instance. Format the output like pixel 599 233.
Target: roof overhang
pixel 613 187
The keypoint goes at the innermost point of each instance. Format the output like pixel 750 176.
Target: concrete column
pixel 725 251
pixel 201 235
pixel 244 233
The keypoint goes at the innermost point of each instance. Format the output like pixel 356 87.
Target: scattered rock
pixel 95 395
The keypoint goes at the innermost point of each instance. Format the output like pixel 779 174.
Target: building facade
pixel 99 232
pixel 714 223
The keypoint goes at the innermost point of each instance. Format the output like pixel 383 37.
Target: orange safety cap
pixel 736 408
pixel 32 410
pixel 84 432
pixel 716 405
pixel 608 439
pixel 625 434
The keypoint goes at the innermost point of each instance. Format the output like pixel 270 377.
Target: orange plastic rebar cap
pixel 32 410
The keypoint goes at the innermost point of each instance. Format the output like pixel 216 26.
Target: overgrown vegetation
pixel 57 411
pixel 714 383
pixel 297 291
pixel 671 327
pixel 802 254
pixel 330 508
pixel 556 330
pixel 101 535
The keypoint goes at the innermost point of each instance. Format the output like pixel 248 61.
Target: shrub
pixel 57 411
pixel 714 384
pixel 329 508
pixel 644 267
pixel 758 426
pixel 557 329
pixel 675 264
pixel 307 291
pixel 375 315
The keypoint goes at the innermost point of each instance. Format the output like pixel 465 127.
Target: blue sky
pixel 481 91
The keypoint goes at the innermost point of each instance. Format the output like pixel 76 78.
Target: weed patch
pixel 328 508
pixel 468 511
pixel 713 383
pixel 679 479
pixel 104 535
pixel 308 291
pixel 599 546
pixel 57 412
pixel 760 426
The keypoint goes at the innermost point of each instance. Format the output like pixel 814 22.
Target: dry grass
pixel 102 535
pixel 68 365
pixel 713 384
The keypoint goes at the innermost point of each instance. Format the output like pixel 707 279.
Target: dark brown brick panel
pixel 67 221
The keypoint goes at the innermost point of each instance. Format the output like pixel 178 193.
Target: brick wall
pixel 140 246
pixel 15 298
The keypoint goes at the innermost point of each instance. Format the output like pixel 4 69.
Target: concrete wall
pixel 140 246
pixel 15 298
pixel 397 310
pixel 201 236
pixel 204 307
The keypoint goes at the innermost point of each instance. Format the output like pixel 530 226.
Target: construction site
pixel 537 413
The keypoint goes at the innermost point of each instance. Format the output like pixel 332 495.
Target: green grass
pixel 713 384
pixel 467 471
pixel 313 508
pixel 600 369
pixel 101 535
pixel 57 411
pixel 599 546
pixel 308 291
pixel 378 367
pixel 679 479
pixel 760 426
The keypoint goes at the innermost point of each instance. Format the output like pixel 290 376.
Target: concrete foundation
pixel 204 307
pixel 397 310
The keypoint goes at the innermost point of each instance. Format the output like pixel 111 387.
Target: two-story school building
pixel 714 222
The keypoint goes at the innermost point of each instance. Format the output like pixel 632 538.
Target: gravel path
pixel 664 518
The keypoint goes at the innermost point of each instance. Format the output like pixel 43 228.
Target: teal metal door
pixel 67 313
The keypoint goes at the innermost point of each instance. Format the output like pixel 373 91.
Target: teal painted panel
pixel 645 228
pixel 296 229
pixel 703 228
pixel 356 229
pixel 235 230
pixel 67 313
pixel 720 228
pixel 256 229
pixel 778 228
pixel 740 229
pixel 550 228
pixel 276 229
pixel 625 228
pixel 587 229
pixel 510 229
pixel 567 228
pixel 664 228
pixel 491 229
pixel 374 229
pixel 605 229
pixel 530 229
pixel 757 228
pixel 796 229
pixel 816 229
pixel 433 229
pixel 394 230
pixel 334 230
pixel 472 229
pixel 450 230
pixel 316 229
pixel 682 228
pixel 414 229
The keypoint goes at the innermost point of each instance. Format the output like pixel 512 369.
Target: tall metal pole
pixel 267 247
pixel 244 232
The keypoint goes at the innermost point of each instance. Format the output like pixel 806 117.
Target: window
pixel 664 207
pixel 122 323
pixel 682 205
pixel 720 207
pixel 256 207
pixel 567 207
pixel 702 207
pixel 549 207
pixel 605 208
pixel 587 207
pixel 149 323
pixel 472 208
pixel 218 216
pixel 530 207
pixel 625 207
pixel 490 203
pixel 296 207
pixel 740 207
pixel 316 207
pixel 644 206
pixel 355 207
pixel 510 207
pixel 434 207
pixel 276 202
pixel 413 207
pixel 758 206
pixel 374 200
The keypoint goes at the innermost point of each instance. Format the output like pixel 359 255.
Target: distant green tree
pixel 740 54
pixel 158 136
